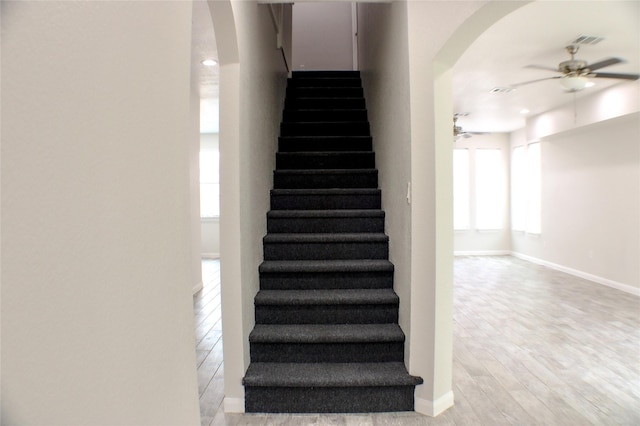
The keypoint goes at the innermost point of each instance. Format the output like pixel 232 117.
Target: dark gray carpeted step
pixel 324 92
pixel 324 143
pixel 326 246
pixel 328 387
pixel 355 306
pixel 330 128
pixel 325 178
pixel 337 81
pixel 325 160
pixel 313 74
pixel 321 199
pixel 327 343
pixel 323 221
pixel 325 102
pixel 326 274
pixel 311 115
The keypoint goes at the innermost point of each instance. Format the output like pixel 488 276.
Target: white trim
pixel 196 288
pixel 594 278
pixel 233 405
pixel 434 408
pixel 210 256
pixel 482 253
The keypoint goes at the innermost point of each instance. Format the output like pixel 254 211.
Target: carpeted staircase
pixel 326 337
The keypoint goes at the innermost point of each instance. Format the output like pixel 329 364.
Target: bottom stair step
pixel 328 387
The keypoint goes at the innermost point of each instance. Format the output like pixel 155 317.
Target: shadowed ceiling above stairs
pixel 327 337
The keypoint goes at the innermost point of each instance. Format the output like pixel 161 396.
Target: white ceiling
pixel 535 34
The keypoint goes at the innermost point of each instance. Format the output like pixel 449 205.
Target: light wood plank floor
pixel 532 346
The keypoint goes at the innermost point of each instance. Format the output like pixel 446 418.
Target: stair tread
pixel 346 237
pixel 335 213
pixel 325 191
pixel 329 374
pixel 344 266
pixel 327 297
pixel 326 333
pixel 324 171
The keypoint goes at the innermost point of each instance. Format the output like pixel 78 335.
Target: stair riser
pixel 324 103
pixel 327 314
pixel 324 201
pixel 324 92
pixel 355 179
pixel 304 144
pixel 328 251
pixel 356 128
pixel 325 225
pixel 351 160
pixel 359 399
pixel 293 115
pixel 326 281
pixel 324 82
pixel 313 74
pixel 327 352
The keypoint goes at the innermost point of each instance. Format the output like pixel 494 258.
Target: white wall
pixel 590 202
pixel 322 36
pixel 97 320
pixel 252 82
pixel 472 240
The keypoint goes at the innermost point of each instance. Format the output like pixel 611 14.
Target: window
pixel 461 189
pixel 526 189
pixel 209 184
pixel 490 189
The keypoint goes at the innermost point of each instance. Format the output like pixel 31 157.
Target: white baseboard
pixel 434 408
pixel 196 288
pixel 233 405
pixel 210 256
pixel 482 253
pixel 594 278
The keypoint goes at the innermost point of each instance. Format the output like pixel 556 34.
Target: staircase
pixel 326 337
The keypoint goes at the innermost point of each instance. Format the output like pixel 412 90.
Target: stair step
pixel 325 74
pixel 327 198
pixel 326 274
pixel 324 143
pixel 326 246
pixel 325 81
pixel 324 92
pixel 311 115
pixel 328 387
pixel 361 306
pixel 327 343
pixel 325 178
pixel 324 221
pixel 325 160
pixel 327 101
pixel 329 128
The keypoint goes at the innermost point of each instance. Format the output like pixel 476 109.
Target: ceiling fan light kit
pixel 574 83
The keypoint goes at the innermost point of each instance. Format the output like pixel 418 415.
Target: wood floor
pixel 532 346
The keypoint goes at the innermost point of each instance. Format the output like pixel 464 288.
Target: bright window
pixel 209 184
pixel 526 189
pixel 461 189
pixel 490 189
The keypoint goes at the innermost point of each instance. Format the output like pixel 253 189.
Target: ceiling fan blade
pixel 533 81
pixel 612 75
pixel 604 63
pixel 542 67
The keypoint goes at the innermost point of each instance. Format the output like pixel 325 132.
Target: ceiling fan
pixel 457 130
pixel 575 72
